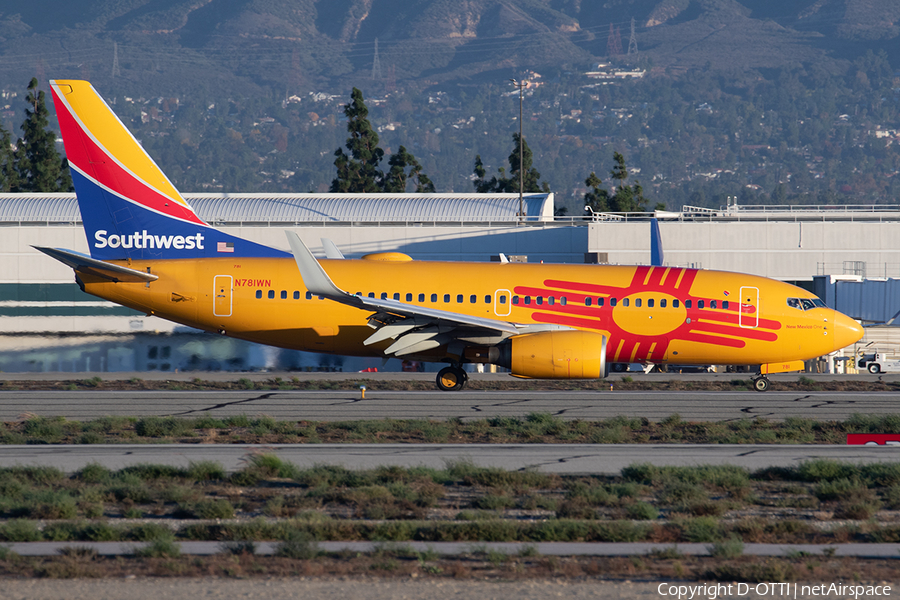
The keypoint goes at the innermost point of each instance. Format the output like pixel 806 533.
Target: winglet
pixel 331 250
pixel 314 276
pixel 656 248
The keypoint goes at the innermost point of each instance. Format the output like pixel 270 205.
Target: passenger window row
pixel 549 300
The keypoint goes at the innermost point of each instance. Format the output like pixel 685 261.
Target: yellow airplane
pixel 151 252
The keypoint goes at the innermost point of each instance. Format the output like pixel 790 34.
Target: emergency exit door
pixel 749 315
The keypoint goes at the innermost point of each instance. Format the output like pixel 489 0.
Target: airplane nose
pixel 846 331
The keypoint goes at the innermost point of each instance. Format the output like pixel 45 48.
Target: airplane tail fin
pixel 129 207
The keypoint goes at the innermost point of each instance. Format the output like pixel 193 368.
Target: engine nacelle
pixel 558 355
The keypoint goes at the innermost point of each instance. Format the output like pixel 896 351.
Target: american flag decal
pixel 225 247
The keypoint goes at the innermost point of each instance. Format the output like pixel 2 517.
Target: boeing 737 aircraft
pixel 151 252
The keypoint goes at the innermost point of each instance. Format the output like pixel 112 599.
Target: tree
pixel 9 177
pixel 626 198
pixel 531 177
pixel 38 165
pixel 359 172
pixel 396 179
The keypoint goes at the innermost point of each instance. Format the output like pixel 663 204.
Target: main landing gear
pixel 451 379
pixel 760 383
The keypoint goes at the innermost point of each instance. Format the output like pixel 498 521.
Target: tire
pixel 874 368
pixel 451 379
pixel 761 384
pixel 619 367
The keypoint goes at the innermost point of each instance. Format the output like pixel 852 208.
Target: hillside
pixel 179 46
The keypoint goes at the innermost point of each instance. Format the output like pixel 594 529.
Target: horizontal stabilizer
pixel 83 263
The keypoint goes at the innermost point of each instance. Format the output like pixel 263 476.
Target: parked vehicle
pixel 878 362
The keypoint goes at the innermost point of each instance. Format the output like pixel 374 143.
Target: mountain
pixel 179 46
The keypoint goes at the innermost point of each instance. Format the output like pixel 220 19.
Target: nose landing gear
pixel 761 383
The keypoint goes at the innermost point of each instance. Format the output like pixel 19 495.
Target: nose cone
pixel 846 331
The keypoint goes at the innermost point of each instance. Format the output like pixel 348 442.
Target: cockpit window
pixel 805 303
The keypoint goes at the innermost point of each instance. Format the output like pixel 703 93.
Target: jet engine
pixel 549 355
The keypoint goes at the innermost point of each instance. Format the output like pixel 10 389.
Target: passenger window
pixel 446 298
pixel 396 295
pixel 701 304
pixel 515 299
pixel 284 294
pixel 371 294
pixel 259 293
pixel 626 301
pixel 487 298
pixel 687 303
pixel 675 303
pixel 296 295
pixel 662 303
pixel 527 300
pixel 434 297
pixel 637 302
pixel 309 295
pixel 384 295
pixel 650 302
pixel 271 294
pixel 612 301
pixel 713 304
pixel 502 299
pixel 421 297
pixel 600 302
pixel 409 297
pixel 563 301
pixel 725 304
pixel 551 300
pixel 539 300
pixel 473 299
pixel 587 301
pixel 459 298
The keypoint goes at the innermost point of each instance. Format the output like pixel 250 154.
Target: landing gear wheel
pixel 451 379
pixel 874 368
pixel 761 384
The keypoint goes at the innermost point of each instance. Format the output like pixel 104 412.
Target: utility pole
pixel 521 85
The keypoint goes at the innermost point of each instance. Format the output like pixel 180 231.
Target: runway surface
pixel 466 405
pixel 603 459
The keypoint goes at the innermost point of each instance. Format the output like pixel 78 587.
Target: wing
pixel 413 328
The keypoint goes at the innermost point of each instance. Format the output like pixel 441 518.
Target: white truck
pixel 877 362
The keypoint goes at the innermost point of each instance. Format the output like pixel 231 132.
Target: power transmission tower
pixel 376 64
pixel 115 69
pixel 632 42
pixel 614 41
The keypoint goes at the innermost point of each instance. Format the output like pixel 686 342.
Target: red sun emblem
pixel 649 313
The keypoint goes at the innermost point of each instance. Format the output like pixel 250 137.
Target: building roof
pixel 307 208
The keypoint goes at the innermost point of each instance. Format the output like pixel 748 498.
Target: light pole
pixel 521 85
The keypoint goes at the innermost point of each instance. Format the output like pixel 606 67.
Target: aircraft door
pixel 502 303
pixel 223 286
pixel 748 317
